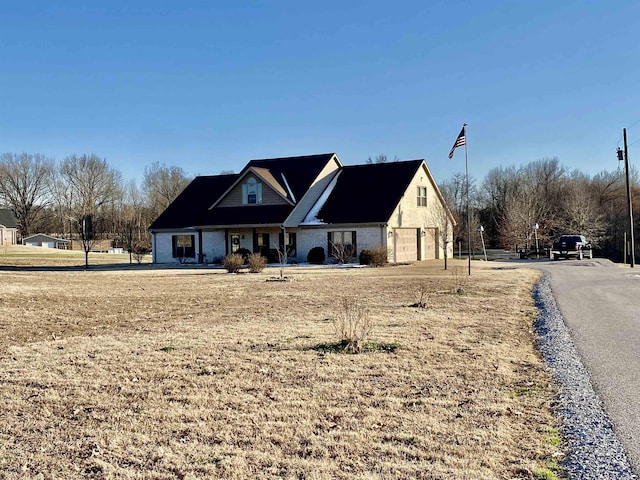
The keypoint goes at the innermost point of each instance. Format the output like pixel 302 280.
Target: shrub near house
pixel 374 257
pixel 316 256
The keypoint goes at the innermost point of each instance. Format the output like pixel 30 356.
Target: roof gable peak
pixel 266 176
pixel 289 177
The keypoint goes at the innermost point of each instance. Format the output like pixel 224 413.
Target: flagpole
pixel 466 168
pixel 461 139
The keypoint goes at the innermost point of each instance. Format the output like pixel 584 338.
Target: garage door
pixel 406 244
pixel 429 239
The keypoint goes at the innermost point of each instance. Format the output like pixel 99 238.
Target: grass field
pixel 23 256
pixel 149 373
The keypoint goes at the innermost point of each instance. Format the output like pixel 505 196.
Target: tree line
pixel 82 197
pixel 57 197
pixel 510 200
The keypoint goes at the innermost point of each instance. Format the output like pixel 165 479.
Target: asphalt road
pixel 600 303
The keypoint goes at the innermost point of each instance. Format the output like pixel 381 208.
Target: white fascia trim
pixel 288 188
pixel 312 217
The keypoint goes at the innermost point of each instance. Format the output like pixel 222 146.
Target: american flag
pixel 460 141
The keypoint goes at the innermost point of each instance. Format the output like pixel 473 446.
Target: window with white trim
pixel 251 192
pixel 422 196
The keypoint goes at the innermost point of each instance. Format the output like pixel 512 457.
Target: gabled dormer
pixel 276 181
pixel 255 187
pixel 252 192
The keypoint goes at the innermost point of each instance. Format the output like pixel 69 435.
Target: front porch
pixel 275 244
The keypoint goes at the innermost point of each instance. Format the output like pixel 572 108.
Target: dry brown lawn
pixel 148 373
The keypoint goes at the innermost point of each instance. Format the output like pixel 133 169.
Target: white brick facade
pixel 366 237
pixel 431 219
pixel 213 245
pixel 162 248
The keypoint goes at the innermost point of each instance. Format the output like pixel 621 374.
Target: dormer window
pixel 251 192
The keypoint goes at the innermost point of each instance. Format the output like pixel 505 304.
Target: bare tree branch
pixel 24 187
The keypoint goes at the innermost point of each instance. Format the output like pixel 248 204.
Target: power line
pixel 629 128
pixel 633 124
pixel 633 142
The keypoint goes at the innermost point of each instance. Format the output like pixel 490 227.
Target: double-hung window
pixel 422 196
pixel 342 245
pixel 183 246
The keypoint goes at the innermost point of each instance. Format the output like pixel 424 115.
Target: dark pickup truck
pixel 571 246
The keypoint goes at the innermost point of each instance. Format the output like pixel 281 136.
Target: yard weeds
pixel 353 324
pixel 460 279
pixel 259 382
pixel 421 295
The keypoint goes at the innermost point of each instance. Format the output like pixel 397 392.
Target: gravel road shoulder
pixel 593 449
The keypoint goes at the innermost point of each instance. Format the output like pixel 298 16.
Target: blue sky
pixel 209 85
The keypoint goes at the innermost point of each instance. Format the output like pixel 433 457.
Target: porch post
pixel 284 243
pixel 254 234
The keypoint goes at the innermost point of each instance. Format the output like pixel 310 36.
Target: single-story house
pixel 8 227
pixel 298 203
pixel 46 241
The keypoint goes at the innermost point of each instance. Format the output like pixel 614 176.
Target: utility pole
pixel 629 205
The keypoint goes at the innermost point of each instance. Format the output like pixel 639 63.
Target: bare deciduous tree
pixel 132 221
pixel 454 192
pixel 24 186
pixel 581 210
pixel 161 185
pixel 517 198
pixel 440 217
pixel 92 188
pixel 499 187
pixel 381 158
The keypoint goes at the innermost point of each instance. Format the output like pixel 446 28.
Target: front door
pixel 235 242
pixel 262 245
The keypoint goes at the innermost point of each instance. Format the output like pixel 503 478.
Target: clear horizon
pixel 208 86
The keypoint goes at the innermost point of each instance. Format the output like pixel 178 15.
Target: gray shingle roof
pixel 191 207
pixel 193 203
pixel 298 171
pixel 368 193
pixel 7 218
pixel 362 194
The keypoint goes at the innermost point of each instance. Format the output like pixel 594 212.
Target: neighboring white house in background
pixel 8 227
pixel 305 202
pixel 45 241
